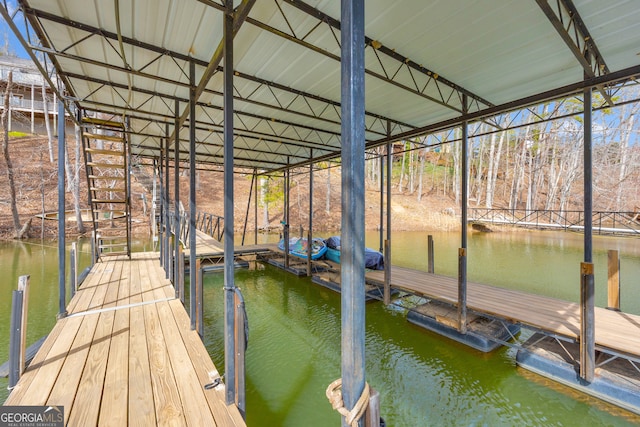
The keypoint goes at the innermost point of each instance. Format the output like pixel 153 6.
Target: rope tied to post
pixel 334 394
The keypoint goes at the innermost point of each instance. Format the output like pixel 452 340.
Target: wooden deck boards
pixel 615 331
pixel 125 355
pixel 207 246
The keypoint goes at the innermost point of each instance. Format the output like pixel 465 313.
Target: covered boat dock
pixel 267 87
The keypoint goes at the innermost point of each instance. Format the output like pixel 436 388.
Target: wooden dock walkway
pixel 615 332
pixel 208 247
pixel 125 355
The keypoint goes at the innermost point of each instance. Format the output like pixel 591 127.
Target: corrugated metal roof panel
pixel 287 91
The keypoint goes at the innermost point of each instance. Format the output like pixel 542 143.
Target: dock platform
pixel 125 355
pixel 615 332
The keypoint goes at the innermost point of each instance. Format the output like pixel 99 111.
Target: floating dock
pixel 617 334
pixel 125 355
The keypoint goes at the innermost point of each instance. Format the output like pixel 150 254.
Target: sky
pixel 6 34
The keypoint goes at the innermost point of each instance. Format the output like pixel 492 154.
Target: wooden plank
pixel 165 390
pixel 86 406
pixel 141 404
pixel 127 365
pixel 115 395
pixel 189 387
pixel 216 397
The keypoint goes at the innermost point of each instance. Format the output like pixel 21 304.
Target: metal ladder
pixel 107 169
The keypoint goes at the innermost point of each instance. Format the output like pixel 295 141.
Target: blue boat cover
pixel 372 259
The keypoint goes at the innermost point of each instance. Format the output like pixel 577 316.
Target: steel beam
pixel 400 59
pixel 212 65
pixel 352 234
pixel 574 32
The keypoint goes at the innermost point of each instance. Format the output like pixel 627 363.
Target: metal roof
pixel 132 57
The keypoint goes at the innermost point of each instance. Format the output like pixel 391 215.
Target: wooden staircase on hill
pixel 106 161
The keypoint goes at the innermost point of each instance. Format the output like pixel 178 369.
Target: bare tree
pixel 20 231
pixel 75 182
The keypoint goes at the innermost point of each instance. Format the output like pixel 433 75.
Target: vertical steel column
pixel 352 239
pixel 387 243
pixel 231 380
pixel 286 216
pixel 382 199
pixel 176 199
pixel 310 231
pixel 163 206
pixel 193 274
pixel 167 237
pixel 246 215
pixel 62 311
pixel 255 210
pixel 462 252
pixel 587 310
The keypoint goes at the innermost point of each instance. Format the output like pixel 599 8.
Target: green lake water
pixel 423 379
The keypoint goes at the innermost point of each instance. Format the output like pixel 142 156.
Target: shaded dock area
pixel 125 355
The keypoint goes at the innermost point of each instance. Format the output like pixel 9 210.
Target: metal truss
pixel 392 67
pixel 567 21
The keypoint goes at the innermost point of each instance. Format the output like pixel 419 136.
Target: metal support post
pixel 234 382
pixel 352 235
pixel 240 338
pixel 255 210
pixel 246 216
pixel 381 247
pixel 387 259
pixel 176 198
pixel 587 323
pixel 161 229
pixel 199 295
pixel 62 302
pixel 462 252
pixel 18 334
pixel 73 265
pixel 310 232
pixel 286 216
pixel 192 193
pixel 587 310
pixel 387 273
pixel 167 236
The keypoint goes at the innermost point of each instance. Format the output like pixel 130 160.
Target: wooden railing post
pixel 613 282
pixel 372 416
pixel 430 254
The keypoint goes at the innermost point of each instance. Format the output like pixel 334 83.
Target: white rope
pixel 334 394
